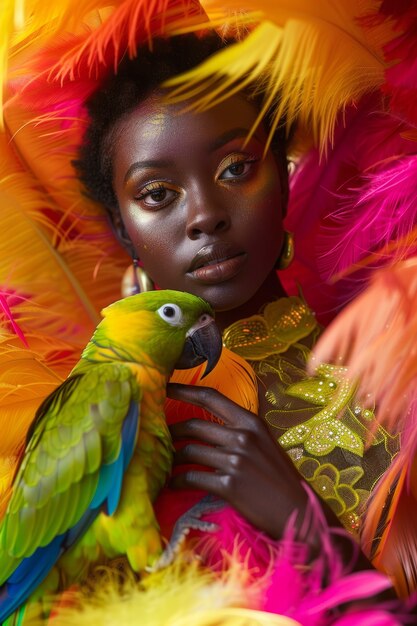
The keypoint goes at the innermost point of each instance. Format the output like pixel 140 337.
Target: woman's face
pixel 203 210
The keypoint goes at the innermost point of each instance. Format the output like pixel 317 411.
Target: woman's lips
pixel 218 271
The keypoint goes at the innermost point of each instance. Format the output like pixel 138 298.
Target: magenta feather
pixel 369 618
pixel 362 198
pixel 383 208
pixel 327 212
pixel 288 582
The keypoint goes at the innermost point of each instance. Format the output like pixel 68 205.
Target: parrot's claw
pixel 191 519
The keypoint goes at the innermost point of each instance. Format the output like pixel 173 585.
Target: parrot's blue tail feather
pixel 115 486
pixel 104 486
pixel 111 476
pixel 129 433
pixel 28 576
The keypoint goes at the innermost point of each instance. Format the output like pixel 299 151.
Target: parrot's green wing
pixel 78 448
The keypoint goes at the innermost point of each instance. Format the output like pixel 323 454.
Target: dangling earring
pixel 287 252
pixel 136 280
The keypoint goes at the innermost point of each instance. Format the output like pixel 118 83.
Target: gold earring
pixel 287 252
pixel 136 280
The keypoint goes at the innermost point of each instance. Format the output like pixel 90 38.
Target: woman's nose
pixel 206 217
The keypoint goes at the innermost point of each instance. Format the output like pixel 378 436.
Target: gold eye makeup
pixel 236 166
pixel 156 195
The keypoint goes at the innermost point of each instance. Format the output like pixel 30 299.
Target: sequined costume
pixel 317 420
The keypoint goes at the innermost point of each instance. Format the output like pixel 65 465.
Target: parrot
pixel 99 450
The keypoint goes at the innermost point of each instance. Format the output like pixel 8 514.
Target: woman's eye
pixel 237 169
pixel 157 196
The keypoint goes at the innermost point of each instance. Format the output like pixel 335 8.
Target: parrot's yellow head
pixel 168 329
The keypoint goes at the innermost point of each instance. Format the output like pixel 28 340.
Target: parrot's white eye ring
pixel 171 313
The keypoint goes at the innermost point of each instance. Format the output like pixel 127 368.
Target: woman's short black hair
pixel 121 93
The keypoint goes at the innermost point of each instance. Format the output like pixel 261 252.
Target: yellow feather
pixel 192 596
pixel 312 60
pixel 8 13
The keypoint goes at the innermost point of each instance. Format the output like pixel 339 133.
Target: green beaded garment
pixel 336 444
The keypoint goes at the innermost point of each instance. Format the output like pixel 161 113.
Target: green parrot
pixel 99 450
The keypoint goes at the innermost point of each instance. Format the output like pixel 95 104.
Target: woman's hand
pixel 252 472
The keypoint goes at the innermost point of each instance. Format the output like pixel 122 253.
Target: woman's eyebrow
pixel 229 135
pixel 143 165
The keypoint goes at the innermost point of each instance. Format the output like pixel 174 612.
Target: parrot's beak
pixel 203 343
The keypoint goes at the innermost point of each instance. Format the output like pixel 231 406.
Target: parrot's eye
pixel 170 313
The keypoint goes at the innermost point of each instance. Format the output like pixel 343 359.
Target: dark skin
pixel 244 457
pixel 203 211
pixel 191 193
pixel 249 473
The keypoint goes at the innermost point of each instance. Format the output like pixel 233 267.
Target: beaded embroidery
pixel 323 432
pixel 282 323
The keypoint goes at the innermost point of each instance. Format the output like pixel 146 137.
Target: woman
pixel 179 216
pixel 203 210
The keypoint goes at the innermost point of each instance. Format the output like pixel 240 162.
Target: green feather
pixel 48 482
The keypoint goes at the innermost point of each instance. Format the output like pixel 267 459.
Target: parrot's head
pixel 170 329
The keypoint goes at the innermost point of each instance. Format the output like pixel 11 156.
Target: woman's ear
pixel 285 186
pixel 279 146
pixel 281 159
pixel 119 229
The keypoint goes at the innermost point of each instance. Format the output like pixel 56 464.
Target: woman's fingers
pixel 228 411
pixel 196 479
pixel 251 472
pixel 215 458
pixel 214 434
pixel 198 429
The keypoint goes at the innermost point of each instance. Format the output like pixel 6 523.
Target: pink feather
pixel 327 211
pixel 368 618
pixel 289 583
pixel 362 198
pixel 383 208
pixel 4 306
